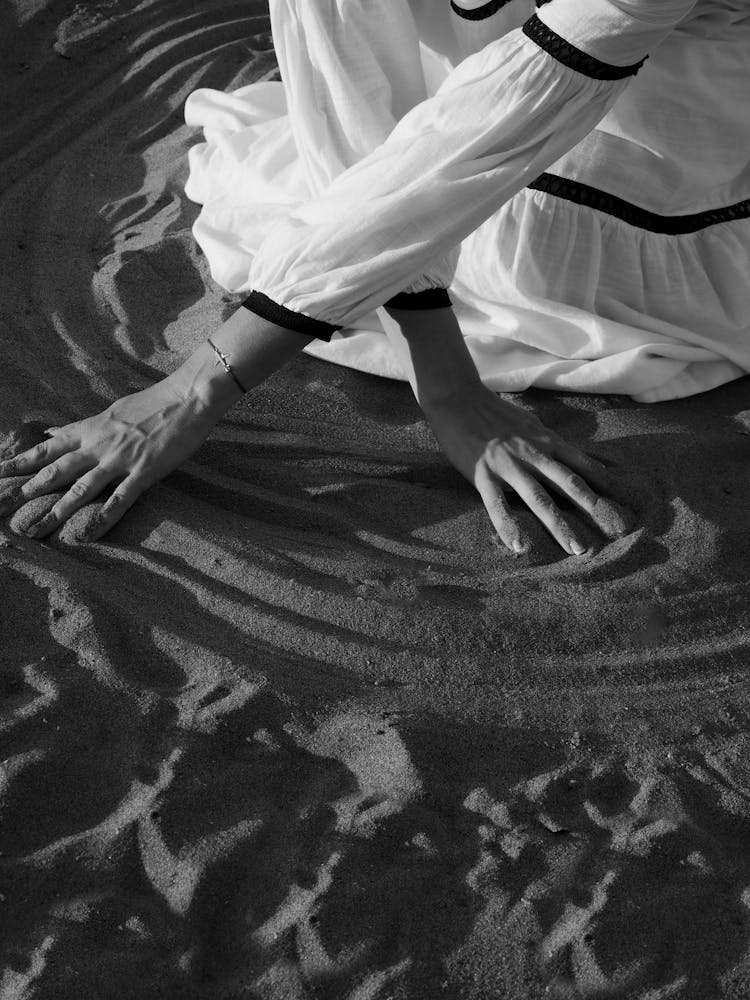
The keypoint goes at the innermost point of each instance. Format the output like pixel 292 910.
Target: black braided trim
pixel 262 306
pixel 479 13
pixel 671 225
pixel 574 58
pixel 430 298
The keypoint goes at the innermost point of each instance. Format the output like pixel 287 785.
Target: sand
pixel 298 728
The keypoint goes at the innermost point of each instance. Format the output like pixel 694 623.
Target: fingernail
pixel 576 548
pixel 34 530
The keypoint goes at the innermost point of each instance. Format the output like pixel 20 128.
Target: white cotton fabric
pixel 388 161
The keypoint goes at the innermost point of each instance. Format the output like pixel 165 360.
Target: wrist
pixel 447 393
pixel 252 347
pixel 431 345
pixel 203 382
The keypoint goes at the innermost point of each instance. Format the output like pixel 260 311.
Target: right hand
pixel 141 438
pixel 136 441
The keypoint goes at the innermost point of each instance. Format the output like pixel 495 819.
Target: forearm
pixel 432 351
pixel 254 348
pixel 428 343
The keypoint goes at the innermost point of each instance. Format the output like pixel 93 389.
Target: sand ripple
pixel 299 728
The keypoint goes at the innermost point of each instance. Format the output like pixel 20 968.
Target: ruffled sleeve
pixel 498 121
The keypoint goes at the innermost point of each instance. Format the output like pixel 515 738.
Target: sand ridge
pixel 298 728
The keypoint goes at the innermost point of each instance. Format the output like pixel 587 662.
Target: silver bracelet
pixel 223 360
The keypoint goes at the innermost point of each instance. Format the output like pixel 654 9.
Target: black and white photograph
pixel 374 500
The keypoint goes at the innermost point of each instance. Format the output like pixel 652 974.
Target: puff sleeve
pixel 501 117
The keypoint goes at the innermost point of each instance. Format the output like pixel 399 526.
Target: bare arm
pixel 143 437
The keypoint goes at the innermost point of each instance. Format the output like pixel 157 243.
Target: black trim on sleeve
pixel 479 13
pixel 430 298
pixel 671 225
pixel 574 58
pixel 261 305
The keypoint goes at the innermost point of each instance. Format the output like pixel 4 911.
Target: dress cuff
pixel 477 11
pixel 430 298
pixel 572 57
pixel 266 308
pixel 261 305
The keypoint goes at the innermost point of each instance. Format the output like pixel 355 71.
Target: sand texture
pixel 298 729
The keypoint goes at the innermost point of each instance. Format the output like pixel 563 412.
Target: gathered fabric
pixel 588 211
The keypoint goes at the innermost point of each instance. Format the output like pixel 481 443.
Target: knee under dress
pixel 574 178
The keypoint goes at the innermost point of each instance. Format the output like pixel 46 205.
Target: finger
pixel 596 474
pixel 606 514
pixel 21 438
pixel 116 506
pixel 82 491
pixel 57 474
pixel 611 517
pixel 31 461
pixel 32 512
pixel 538 500
pixel 69 429
pixel 563 479
pixel 10 492
pixel 500 513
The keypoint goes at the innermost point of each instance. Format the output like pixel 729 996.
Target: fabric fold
pixel 547 291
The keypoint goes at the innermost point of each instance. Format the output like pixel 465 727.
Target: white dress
pixel 589 215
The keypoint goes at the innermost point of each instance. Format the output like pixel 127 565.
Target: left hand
pixel 495 443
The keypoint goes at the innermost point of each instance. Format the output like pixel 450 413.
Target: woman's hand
pixel 492 442
pixel 134 442
pixel 496 444
pixel 142 438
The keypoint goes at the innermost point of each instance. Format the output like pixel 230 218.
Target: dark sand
pixel 298 728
